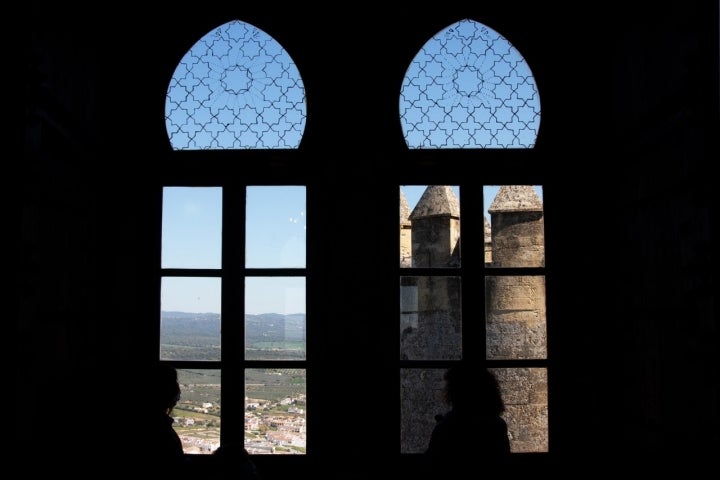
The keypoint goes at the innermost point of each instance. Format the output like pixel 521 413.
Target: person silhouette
pixel 164 448
pixel 472 435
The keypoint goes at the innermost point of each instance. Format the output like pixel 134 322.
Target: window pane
pixel 468 87
pixel 190 318
pixel 524 392
pixel 430 318
pixel 429 226
pixel 197 414
pixel 515 317
pixel 191 227
pixel 275 405
pixel 275 318
pixel 275 227
pixel 235 88
pixel 517 226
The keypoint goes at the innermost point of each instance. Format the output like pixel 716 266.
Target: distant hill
pixel 195 335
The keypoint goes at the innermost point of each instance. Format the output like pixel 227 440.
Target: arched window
pixel 239 174
pixel 235 88
pixel 233 273
pixel 469 88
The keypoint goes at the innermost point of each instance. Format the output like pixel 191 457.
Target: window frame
pixel 394 165
pixel 277 167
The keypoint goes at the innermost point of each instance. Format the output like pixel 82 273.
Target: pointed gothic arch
pixel 469 87
pixel 236 88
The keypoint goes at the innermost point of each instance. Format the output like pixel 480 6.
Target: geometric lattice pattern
pixel 236 88
pixel 468 87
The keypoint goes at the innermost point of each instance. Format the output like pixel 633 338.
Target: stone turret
pixel 435 228
pixel 518 236
pixel 515 312
pixel 430 316
pixel 515 304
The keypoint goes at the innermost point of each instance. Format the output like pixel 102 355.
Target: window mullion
pixel 233 310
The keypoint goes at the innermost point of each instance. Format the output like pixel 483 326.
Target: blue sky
pixel 276 226
pixel 192 239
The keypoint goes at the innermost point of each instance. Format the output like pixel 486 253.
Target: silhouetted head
pixel 166 387
pixel 477 388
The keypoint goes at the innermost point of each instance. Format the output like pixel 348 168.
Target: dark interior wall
pixel 666 85
pixel 630 121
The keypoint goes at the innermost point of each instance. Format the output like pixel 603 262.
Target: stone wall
pixel 515 321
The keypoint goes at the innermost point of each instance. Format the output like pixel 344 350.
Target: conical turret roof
pixel 436 200
pixel 516 198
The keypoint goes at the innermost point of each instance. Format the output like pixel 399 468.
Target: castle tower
pixel 518 235
pixel 436 228
pixel 430 305
pixel 516 304
pixel 515 312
